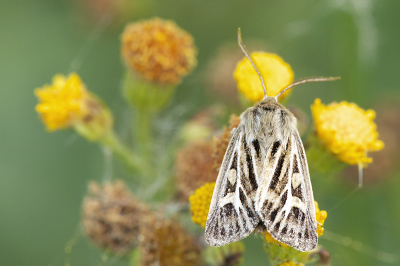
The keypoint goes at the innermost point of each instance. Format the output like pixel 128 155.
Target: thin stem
pixel 131 160
pixel 144 134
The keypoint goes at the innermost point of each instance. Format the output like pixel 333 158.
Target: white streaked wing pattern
pixel 285 200
pixel 232 216
pixel 264 182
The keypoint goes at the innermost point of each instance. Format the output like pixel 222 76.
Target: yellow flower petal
pixel 67 103
pixel 291 263
pixel 200 203
pixel 346 130
pixel 272 240
pixel 61 102
pixel 321 217
pixel 277 75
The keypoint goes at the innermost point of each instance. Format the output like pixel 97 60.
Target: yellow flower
pixel 291 263
pixel 320 216
pixel 158 50
pixel 272 240
pixel 277 75
pixel 67 103
pixel 61 102
pixel 200 203
pixel 346 130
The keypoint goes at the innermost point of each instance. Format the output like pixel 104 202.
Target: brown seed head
pixel 158 50
pixel 112 216
pixel 220 144
pixel 165 242
pixel 199 162
pixel 193 165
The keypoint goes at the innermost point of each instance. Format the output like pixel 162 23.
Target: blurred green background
pixel 43 176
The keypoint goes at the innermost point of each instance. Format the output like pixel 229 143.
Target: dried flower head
pixel 193 165
pixel 220 144
pixel 112 216
pixel 200 203
pixel 277 75
pixel 346 130
pixel 158 50
pixel 164 242
pixel 67 103
pixel 320 216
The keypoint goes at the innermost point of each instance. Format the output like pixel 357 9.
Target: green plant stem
pixel 143 133
pixel 130 159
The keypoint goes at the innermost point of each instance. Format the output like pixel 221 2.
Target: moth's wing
pixel 232 216
pixel 285 201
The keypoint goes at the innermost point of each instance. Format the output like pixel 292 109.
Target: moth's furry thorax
pixel 268 121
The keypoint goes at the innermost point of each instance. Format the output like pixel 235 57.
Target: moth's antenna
pixel 251 61
pixel 306 80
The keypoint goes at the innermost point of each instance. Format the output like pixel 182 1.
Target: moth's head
pixel 269 103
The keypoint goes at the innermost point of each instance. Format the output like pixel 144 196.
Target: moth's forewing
pixel 232 216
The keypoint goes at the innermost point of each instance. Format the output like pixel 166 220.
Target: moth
pixel 264 182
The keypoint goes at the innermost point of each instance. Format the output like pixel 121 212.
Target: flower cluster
pixel 67 103
pixel 157 55
pixel 62 102
pixel 158 50
pixel 277 74
pixel 347 130
pixel 200 203
pixel 112 217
